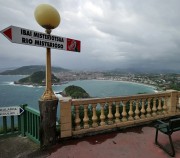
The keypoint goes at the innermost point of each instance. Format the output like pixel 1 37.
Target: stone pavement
pixel 135 142
pixel 19 147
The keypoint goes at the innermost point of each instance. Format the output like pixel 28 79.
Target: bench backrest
pixel 174 124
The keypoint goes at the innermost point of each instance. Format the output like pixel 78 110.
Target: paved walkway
pixel 19 147
pixel 136 142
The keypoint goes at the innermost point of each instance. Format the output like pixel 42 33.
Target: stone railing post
pixel 137 111
pixel 86 118
pixel 65 117
pixel 143 109
pixel 110 115
pixel 117 114
pixel 173 101
pixel 148 115
pixel 178 102
pixel 124 113
pixel 131 111
pixel 102 116
pixel 94 117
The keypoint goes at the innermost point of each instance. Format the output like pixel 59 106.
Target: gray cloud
pixel 114 34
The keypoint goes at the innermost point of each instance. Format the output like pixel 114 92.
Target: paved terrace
pixel 134 142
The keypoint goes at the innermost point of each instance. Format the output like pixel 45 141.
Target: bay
pixel 13 95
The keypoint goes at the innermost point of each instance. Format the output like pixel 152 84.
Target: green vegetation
pixel 37 78
pixel 75 92
pixel 175 86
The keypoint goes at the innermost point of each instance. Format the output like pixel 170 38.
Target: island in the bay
pixel 37 79
pixel 75 92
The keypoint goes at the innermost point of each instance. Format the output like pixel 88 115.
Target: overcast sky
pixel 142 34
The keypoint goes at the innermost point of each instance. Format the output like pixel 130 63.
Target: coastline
pixel 156 89
pixel 12 94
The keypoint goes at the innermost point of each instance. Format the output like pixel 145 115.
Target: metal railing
pixel 10 125
pixel 31 122
pixel 26 124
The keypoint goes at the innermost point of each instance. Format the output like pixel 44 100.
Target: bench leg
pixel 172 146
pixel 162 147
pixel 156 136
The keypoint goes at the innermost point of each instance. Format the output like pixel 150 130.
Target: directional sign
pixel 11 111
pixel 34 38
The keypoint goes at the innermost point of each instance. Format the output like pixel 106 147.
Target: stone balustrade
pixel 81 116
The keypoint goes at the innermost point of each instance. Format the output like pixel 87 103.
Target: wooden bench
pixel 167 128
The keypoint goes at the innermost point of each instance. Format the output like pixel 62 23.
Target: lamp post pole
pixel 49 18
pixel 48 94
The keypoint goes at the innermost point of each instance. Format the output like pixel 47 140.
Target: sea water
pixel 13 95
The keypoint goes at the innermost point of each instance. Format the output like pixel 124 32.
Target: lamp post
pixel 49 18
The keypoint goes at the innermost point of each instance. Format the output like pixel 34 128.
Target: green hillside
pixel 37 78
pixel 28 70
pixel 75 92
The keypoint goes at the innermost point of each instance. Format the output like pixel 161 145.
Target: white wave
pixel 30 86
pixel 13 84
pixel 156 91
pixel 37 86
pixel 8 83
pixel 57 94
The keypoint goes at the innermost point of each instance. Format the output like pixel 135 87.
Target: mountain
pixel 9 68
pixel 37 78
pixel 28 70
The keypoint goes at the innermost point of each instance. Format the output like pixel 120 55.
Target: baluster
pixel 94 117
pixel 178 107
pixel 159 107
pixel 117 114
pixel 165 106
pixel 77 119
pixel 178 104
pixel 154 109
pixel 143 109
pixel 131 111
pixel 86 118
pixel 148 108
pixel 110 115
pixel 124 113
pixel 137 110
pixel 102 116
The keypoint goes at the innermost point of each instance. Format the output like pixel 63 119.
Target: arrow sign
pixel 11 111
pixel 8 33
pixel 39 39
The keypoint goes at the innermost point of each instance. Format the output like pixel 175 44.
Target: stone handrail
pixel 81 116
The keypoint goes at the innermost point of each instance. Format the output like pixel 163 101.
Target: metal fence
pixel 26 124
